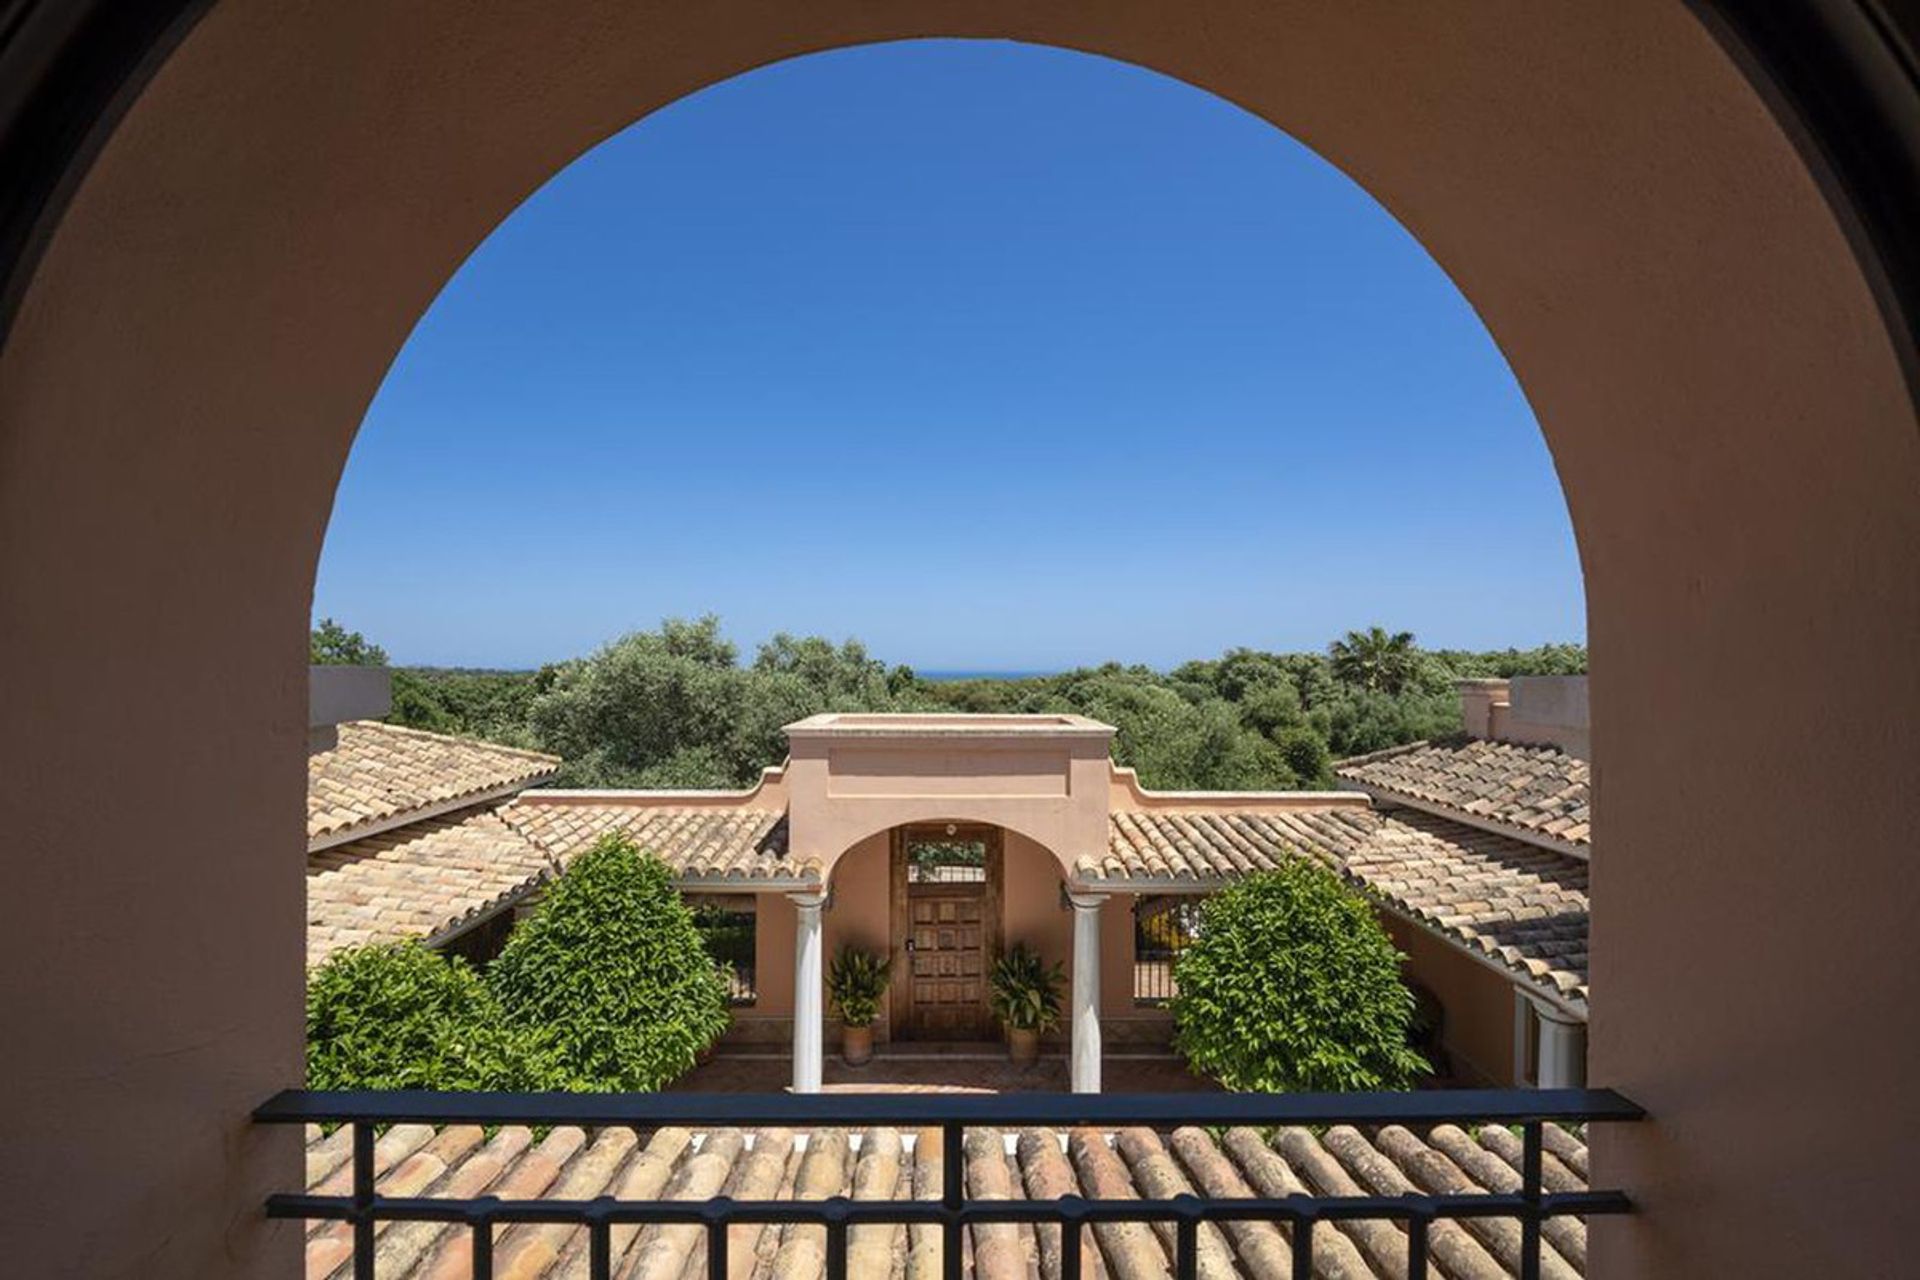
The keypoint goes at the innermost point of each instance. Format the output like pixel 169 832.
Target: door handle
pixel 910 946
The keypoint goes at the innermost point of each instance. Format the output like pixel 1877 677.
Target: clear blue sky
pixel 991 356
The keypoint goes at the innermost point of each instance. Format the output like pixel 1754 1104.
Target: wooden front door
pixel 946 900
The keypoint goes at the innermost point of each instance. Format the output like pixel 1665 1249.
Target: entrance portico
pixel 939 842
pixel 946 794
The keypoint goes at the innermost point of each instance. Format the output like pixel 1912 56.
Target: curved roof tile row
pixel 1518 904
pixel 424 880
pixel 1539 791
pixel 383 775
pixel 888 1164
pixel 731 843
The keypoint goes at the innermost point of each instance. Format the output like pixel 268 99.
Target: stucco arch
pixel 1721 394
pixel 978 813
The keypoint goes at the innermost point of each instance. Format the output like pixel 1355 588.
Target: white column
pixel 1562 1058
pixel 1085 1071
pixel 809 994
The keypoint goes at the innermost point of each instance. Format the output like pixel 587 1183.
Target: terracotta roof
pixel 382 775
pixel 569 1163
pixel 1521 906
pixel 1539 791
pixel 424 880
pixel 699 842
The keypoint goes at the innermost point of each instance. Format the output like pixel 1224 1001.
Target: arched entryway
pixel 1704 350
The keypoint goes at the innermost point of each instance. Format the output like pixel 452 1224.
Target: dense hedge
pixel 608 986
pixel 398 1016
pixel 1292 984
pixel 609 980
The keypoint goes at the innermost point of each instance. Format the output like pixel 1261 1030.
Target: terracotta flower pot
pixel 856 1045
pixel 1023 1046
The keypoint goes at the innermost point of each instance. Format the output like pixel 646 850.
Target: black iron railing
pixel 1530 1205
pixel 1162 929
pixel 727 926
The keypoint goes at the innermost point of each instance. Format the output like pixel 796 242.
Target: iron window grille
pixel 953 1114
pixel 1163 927
pixel 727 925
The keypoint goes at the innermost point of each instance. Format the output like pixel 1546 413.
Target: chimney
pixel 339 694
pixel 1483 706
pixel 1548 711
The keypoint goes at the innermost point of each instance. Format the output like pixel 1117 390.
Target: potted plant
pixel 1026 999
pixel 857 980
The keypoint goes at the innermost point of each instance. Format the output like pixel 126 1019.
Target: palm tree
pixel 1374 660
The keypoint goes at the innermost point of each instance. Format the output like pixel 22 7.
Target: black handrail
pixel 952 1114
pixel 798 1110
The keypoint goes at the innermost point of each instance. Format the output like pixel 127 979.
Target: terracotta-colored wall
pixel 850 778
pixel 859 914
pixel 1725 405
pixel 775 923
pixel 1031 910
pixel 1479 1004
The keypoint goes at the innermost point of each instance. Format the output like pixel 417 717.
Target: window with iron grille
pixel 727 924
pixel 958 859
pixel 1163 927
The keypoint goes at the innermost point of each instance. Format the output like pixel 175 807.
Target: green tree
pixel 398 1016
pixel 1374 660
pixel 480 704
pixel 609 982
pixel 1292 985
pixel 640 701
pixel 332 645
pixel 1174 743
pixel 1307 756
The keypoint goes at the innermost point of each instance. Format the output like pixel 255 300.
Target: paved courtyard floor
pixel 924 1068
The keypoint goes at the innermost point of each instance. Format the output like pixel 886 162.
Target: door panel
pixel 947 922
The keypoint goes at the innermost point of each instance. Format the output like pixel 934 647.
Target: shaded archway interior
pixel 1724 405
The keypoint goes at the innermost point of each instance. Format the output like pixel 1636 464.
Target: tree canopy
pixel 332 645
pixel 1292 984
pixel 609 982
pixel 679 707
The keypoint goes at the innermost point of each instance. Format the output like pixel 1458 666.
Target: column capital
pixel 1549 1012
pixel 808 899
pixel 1086 899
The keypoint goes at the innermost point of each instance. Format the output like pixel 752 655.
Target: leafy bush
pixel 398 1016
pixel 857 979
pixel 1025 990
pixel 609 982
pixel 1292 984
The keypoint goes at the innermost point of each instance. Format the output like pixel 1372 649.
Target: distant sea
pixel 982 675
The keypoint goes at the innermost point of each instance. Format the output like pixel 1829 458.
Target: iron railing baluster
pixel 1186 1248
pixel 1303 1248
pixel 953 1194
pixel 482 1268
pixel 600 1239
pixel 1417 1247
pixel 1073 1230
pixel 1530 1193
pixel 363 1200
pixel 718 1214
pixel 836 1238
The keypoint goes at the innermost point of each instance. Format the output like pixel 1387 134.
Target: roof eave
pixel 422 813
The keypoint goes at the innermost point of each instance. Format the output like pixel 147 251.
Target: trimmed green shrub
pixel 1292 984
pixel 609 982
pixel 398 1016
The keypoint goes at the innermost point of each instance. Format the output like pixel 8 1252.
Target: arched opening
pixel 1723 398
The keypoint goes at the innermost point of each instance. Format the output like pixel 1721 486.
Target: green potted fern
pixel 1026 999
pixel 857 980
